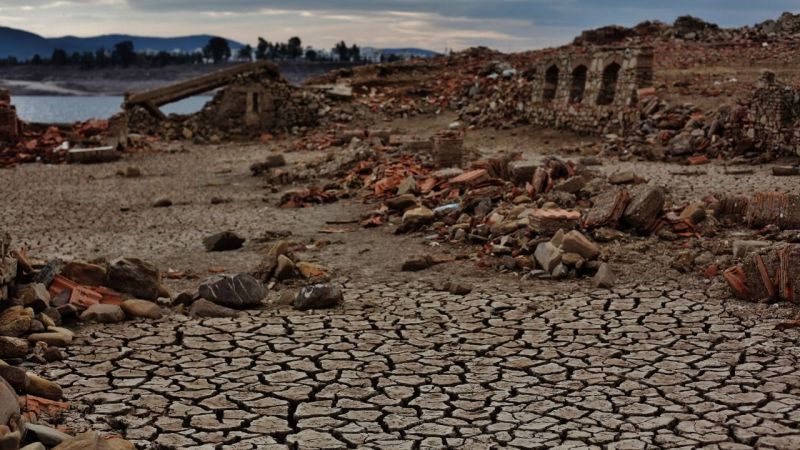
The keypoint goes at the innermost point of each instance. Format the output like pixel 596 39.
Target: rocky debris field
pixel 228 318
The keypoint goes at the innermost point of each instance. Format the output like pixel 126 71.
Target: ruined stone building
pixel 774 116
pixel 9 123
pixel 591 92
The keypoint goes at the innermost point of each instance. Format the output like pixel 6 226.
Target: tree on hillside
pixel 217 49
pixel 36 60
pixel 261 49
pixel 342 51
pixel 355 53
pixel 294 48
pixel 311 54
pixel 59 57
pixel 123 53
pixel 246 53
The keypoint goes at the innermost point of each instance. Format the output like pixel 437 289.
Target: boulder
pixel 141 309
pixel 11 347
pixel 223 242
pixel 135 277
pixel 15 321
pixel 205 309
pixel 84 273
pixel 548 256
pixel 318 296
pixel 103 314
pixel 234 291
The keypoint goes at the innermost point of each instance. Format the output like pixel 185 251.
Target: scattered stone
pixel 402 202
pixel 622 178
pixel 310 270
pixel 694 212
pixel 34 295
pixel 55 336
pixel 162 203
pixel 135 277
pixel 549 221
pixel 318 296
pixel 407 186
pixel 744 248
pixel 9 405
pixel 46 435
pixel 234 291
pixel 456 288
pixel 11 347
pixel 268 265
pixel 607 209
pixel 102 313
pixel 646 205
pixel 141 309
pixel 548 256
pixel 576 242
pixel 417 217
pixel 417 263
pixel 203 308
pixel 40 387
pixel 15 321
pixel 286 268
pixel 223 242
pixel 605 277
pixel 84 273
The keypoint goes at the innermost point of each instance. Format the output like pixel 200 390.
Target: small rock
pixel 34 295
pixel 695 212
pixel 285 269
pixel 34 446
pixel 310 270
pixel 103 314
pixel 10 441
pixel 132 172
pixel 646 205
pixel 622 178
pixel 53 354
pixel 548 256
pixel 268 265
pixel 318 296
pixel 401 202
pixel 744 248
pixel 162 203
pixel 576 242
pixel 46 435
pixel 417 217
pixel 234 291
pixel 417 263
pixel 458 288
pixel 55 336
pixel 141 309
pixel 223 242
pixel 84 273
pixel 205 309
pixel 571 259
pixel 135 277
pixel 605 277
pixel 15 321
pixel 9 404
pixel 40 387
pixel 407 186
pixel 11 347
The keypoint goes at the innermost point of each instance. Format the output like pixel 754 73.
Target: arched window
pixel 550 83
pixel 578 84
pixel 608 88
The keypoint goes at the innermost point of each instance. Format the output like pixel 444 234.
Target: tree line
pixel 217 50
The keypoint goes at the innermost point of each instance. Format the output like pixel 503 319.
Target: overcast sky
pixel 508 25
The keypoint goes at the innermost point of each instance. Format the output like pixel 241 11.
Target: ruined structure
pixel 774 116
pixel 9 123
pixel 594 92
pixel 254 99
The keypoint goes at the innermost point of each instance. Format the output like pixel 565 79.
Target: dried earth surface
pixel 664 360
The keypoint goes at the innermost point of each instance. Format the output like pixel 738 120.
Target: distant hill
pixel 416 52
pixel 24 45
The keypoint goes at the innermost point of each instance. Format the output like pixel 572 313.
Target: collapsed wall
pixel 247 107
pixel 594 92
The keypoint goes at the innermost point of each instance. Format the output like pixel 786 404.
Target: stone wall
pixel 773 121
pixel 9 123
pixel 590 92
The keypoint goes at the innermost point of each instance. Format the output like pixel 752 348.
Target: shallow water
pixel 60 109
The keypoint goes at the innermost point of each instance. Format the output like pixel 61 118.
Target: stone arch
pixel 608 87
pixel 550 83
pixel 578 86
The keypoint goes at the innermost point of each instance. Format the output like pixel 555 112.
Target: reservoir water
pixel 61 109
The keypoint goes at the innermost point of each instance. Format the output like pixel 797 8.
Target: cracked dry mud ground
pixel 403 366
